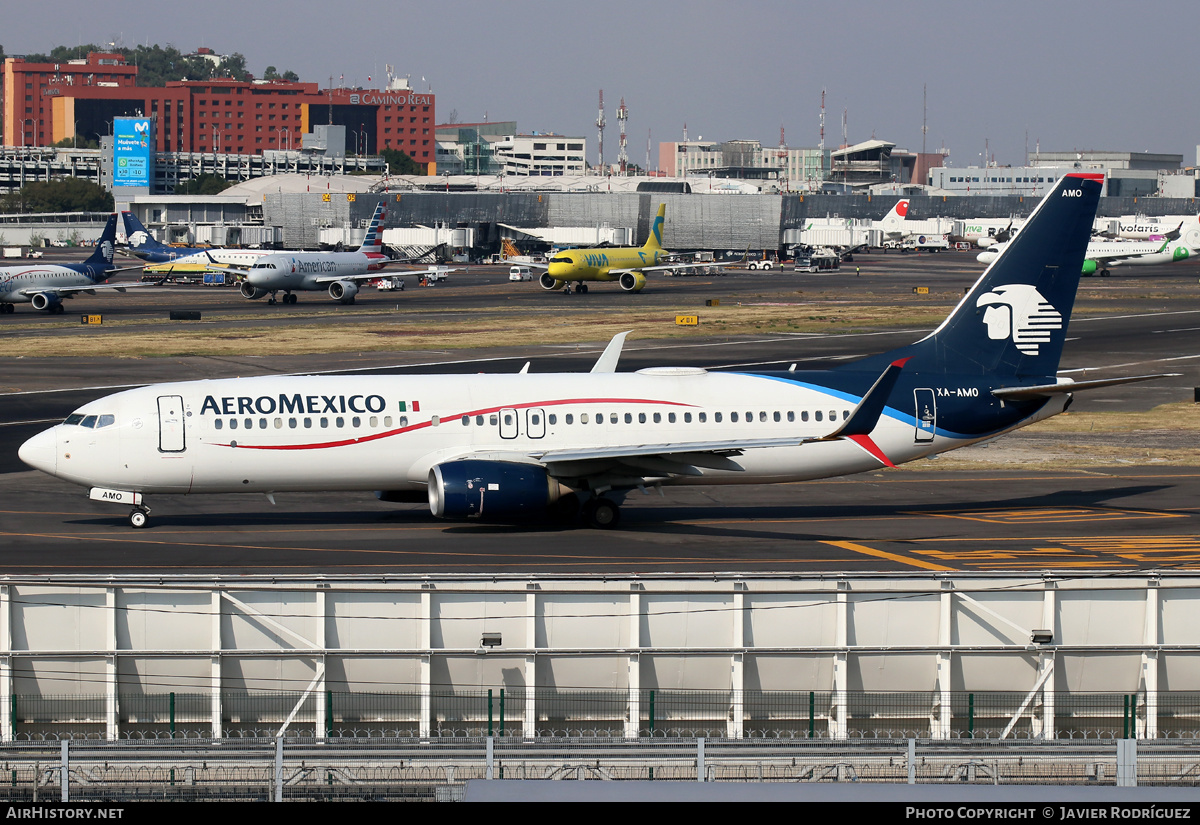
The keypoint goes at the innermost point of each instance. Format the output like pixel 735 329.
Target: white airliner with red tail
pixel 528 446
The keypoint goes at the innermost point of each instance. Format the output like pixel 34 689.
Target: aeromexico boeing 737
pixel 506 447
pixel 46 285
pixel 627 265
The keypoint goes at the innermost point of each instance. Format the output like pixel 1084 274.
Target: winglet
pixel 866 415
pixel 607 362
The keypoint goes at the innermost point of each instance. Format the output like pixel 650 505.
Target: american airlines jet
pixel 339 273
pixel 510 447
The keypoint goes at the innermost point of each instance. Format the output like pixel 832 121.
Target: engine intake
pixel 632 281
pixel 343 291
pixel 45 300
pixel 550 283
pixel 491 490
pixel 250 291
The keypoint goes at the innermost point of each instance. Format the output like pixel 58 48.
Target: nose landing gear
pixel 138 517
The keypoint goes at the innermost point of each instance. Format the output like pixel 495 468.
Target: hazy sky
pixel 1072 75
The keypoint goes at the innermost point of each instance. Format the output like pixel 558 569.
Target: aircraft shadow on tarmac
pixel 717 520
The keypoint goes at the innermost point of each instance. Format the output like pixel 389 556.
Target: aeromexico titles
pixel 506 447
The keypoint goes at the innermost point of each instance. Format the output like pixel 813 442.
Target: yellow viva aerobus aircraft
pixel 627 265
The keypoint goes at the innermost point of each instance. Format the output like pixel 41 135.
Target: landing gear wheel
pixel 601 514
pixel 289 298
pixel 138 517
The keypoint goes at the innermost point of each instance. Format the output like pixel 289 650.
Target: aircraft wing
pixel 686 457
pixel 90 288
pixel 659 268
pixel 370 276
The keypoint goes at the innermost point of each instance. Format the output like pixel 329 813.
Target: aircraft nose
pixel 41 451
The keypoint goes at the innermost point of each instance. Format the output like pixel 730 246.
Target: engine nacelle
pixel 550 283
pixel 1090 267
pixel 248 290
pixel 491 490
pixel 633 281
pixel 45 300
pixel 984 243
pixel 343 291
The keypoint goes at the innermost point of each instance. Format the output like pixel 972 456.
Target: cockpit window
pixel 91 421
pixel 560 260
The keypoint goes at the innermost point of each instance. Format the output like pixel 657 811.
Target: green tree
pixel 401 164
pixel 76 142
pixel 206 184
pixel 66 195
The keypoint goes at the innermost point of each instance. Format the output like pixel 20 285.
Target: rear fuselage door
pixel 926 414
pixel 535 423
pixel 171 437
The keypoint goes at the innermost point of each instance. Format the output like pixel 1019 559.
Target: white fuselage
pixel 17 279
pixel 307 270
pixel 310 433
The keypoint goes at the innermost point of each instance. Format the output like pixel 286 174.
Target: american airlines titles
pixel 314 266
pixel 312 404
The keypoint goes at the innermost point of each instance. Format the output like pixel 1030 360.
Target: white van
pixel 520 273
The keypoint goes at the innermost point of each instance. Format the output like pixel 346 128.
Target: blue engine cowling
pixel 46 300
pixel 491 490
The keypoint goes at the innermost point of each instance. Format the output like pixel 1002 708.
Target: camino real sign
pixel 133 151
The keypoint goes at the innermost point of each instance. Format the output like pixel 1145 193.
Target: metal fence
pixel 517 712
pixel 436 770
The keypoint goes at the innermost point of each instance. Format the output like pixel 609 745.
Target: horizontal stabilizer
pixel 1044 390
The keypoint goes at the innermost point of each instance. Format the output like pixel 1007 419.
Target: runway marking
pixel 1053 515
pixel 870 551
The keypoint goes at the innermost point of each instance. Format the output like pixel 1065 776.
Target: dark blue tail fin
pixel 105 245
pixel 140 239
pixel 1014 320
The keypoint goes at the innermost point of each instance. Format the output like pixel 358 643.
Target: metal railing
pixel 608 713
pixel 412 769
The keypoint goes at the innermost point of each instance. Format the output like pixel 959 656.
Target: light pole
pixel 30 121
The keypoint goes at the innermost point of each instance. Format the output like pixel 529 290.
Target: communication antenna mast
pixel 622 154
pixel 600 126
pixel 924 113
pixel 646 171
pixel 821 144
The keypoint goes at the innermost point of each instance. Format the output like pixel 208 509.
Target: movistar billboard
pixel 133 147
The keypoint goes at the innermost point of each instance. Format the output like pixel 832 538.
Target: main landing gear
pixel 601 513
pixel 138 516
pixel 288 298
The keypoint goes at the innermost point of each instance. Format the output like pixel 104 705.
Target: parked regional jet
pixel 46 285
pixel 892 224
pixel 141 243
pixel 1181 244
pixel 627 265
pixel 337 272
pixel 505 447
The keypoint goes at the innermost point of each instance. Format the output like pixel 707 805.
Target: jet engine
pixel 343 291
pixel 47 300
pixel 248 290
pixel 633 281
pixel 492 490
pixel 550 283
pixel 1090 267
